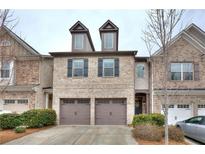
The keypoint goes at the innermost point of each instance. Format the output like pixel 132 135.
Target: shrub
pixel 10 120
pixel 175 134
pixel 148 132
pixel 20 129
pixel 37 118
pixel 154 119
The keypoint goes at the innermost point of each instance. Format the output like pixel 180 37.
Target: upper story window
pixel 140 70
pixel 79 41
pixel 181 71
pixel 108 40
pixel 108 67
pixel 77 67
pixel 5 70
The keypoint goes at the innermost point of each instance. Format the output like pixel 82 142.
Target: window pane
pixel 188 76
pixel 187 67
pixel 175 67
pixel 9 101
pixel 140 70
pixel 108 40
pixel 108 71
pixel 79 41
pixel 196 120
pixel 78 72
pixel 175 76
pixel 108 67
pixel 187 71
pixel 108 63
pixel 5 70
pixel 22 101
pixel 78 63
pixel 78 67
pixel 6 66
pixel 5 73
pixel 175 71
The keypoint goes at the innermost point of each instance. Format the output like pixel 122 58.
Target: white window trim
pixel 75 42
pixel 77 68
pixel 105 40
pixel 182 73
pixel 11 63
pixel 109 67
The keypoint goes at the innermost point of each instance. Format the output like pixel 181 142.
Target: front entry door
pixel 138 106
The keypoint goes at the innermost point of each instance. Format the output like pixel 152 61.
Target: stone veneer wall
pixel 93 86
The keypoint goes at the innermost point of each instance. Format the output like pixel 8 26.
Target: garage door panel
pixel 110 112
pixel 179 112
pixel 201 109
pixel 75 112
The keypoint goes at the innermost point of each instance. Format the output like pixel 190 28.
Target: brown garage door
pixel 110 111
pixel 75 112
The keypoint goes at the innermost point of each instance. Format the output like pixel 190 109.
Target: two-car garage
pixel 106 111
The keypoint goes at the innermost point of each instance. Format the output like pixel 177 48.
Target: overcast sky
pixel 48 30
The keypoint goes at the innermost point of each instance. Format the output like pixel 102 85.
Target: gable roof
pixel 78 27
pixel 108 26
pixel 21 41
pixel 190 37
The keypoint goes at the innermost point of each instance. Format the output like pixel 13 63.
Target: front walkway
pixel 83 135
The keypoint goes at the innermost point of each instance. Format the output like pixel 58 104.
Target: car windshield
pixel 195 120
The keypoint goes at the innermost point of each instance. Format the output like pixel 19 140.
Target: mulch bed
pixel 9 134
pixel 171 142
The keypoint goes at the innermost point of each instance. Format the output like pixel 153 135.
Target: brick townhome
pixel 24 75
pixel 85 86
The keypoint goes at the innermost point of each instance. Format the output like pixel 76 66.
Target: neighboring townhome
pixel 142 85
pixel 25 75
pixel 186 76
pixel 94 87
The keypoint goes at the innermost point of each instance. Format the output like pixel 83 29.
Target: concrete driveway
pixel 83 135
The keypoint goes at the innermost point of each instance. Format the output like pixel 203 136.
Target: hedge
pixel 39 118
pixel 151 132
pixel 148 132
pixel 33 118
pixel 10 120
pixel 154 119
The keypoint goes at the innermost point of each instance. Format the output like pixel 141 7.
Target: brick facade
pixel 93 86
pixel 180 51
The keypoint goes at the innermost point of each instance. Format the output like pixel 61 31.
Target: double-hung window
pixel 78 67
pixel 108 40
pixel 79 41
pixel 108 67
pixel 5 70
pixel 181 71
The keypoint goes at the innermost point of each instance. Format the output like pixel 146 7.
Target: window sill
pixel 110 76
pixel 183 80
pixel 77 77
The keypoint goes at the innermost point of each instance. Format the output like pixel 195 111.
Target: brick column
pixel 92 111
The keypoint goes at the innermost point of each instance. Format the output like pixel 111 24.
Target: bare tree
pixel 158 33
pixel 6 49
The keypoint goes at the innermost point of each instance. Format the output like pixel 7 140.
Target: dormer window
pixel 109 36
pixel 108 40
pixel 79 41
